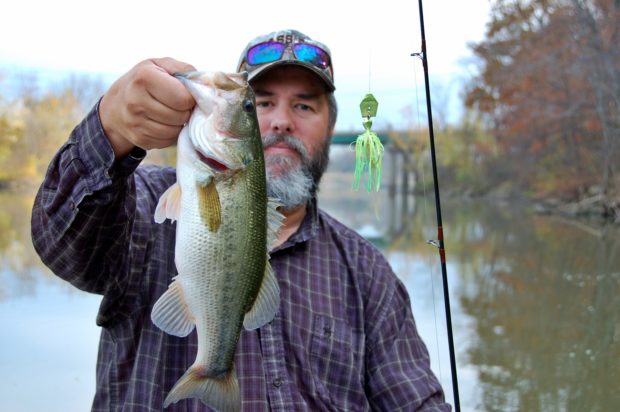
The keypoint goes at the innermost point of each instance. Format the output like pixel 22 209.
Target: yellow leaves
pixel 32 128
pixel 30 169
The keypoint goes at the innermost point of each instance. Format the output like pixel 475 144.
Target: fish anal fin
pixel 209 204
pixel 171 313
pixel 267 302
pixel 221 393
pixel 169 205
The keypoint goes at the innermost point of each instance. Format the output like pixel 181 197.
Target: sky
pixel 371 43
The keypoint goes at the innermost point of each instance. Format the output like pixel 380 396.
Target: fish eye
pixel 248 106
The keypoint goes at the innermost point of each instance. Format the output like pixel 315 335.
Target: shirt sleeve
pixel 398 365
pixel 82 214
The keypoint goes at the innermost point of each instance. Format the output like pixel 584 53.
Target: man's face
pixel 293 116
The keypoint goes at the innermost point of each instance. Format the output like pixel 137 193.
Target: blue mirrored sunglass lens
pixel 311 54
pixel 265 53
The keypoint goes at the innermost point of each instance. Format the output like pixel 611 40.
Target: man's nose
pixel 282 121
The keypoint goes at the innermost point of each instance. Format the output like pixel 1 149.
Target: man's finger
pixel 167 89
pixel 171 66
pixel 161 113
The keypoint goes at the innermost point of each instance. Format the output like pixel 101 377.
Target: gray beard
pixel 295 182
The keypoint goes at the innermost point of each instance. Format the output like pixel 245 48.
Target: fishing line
pixel 368 147
pixel 375 197
pixel 427 213
pixel 369 65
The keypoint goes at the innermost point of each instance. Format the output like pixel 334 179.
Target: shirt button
pixel 277 382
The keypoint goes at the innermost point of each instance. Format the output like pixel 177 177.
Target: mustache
pixel 288 140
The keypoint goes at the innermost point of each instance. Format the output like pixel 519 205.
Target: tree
pixel 548 88
pixel 34 124
pixel 598 32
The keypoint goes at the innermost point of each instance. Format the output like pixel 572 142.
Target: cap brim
pixel 266 67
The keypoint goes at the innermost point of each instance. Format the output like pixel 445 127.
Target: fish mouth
pixel 212 163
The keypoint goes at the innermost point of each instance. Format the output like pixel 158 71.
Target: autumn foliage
pixel 37 120
pixel 549 91
pixel 34 123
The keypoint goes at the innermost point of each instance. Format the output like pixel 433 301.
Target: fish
pixel 225 226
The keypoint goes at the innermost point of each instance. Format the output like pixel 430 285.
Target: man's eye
pixel 304 107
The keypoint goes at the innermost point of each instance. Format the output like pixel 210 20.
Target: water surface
pixel 535 304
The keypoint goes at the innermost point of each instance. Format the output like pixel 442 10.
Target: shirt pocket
pixel 336 362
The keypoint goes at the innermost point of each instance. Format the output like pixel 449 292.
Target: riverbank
pixel 598 206
pixel 595 206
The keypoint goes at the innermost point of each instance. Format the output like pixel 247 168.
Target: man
pixel 344 337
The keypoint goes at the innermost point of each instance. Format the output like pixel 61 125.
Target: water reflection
pixel 49 337
pixel 18 262
pixel 544 297
pixel 536 303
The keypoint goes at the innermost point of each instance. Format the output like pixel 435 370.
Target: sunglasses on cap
pixel 272 51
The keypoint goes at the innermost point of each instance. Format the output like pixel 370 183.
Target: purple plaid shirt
pixel 344 338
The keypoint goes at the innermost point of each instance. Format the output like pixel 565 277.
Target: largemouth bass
pixel 225 223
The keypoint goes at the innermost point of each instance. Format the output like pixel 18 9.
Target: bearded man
pixel 344 337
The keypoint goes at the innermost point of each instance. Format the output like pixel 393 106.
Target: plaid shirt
pixel 343 339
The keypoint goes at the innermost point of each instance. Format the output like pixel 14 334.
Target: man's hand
pixel 147 107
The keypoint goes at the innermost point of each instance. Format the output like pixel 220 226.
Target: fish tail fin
pixel 221 393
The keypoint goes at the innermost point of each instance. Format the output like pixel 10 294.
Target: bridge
pixel 348 138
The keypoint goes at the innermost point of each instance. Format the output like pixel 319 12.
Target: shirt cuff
pixel 97 155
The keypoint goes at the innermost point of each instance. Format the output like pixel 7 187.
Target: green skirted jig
pixel 368 147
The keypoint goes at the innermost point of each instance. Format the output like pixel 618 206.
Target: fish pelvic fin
pixel 274 221
pixel 221 393
pixel 169 205
pixel 267 302
pixel 171 312
pixel 210 207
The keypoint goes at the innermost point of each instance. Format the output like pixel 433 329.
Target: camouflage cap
pixel 287 47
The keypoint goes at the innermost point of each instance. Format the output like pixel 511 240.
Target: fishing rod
pixel 439 242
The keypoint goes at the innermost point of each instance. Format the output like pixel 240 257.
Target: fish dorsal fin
pixel 169 205
pixel 210 208
pixel 267 302
pixel 274 221
pixel 225 82
pixel 171 313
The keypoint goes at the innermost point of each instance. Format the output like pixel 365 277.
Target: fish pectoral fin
pixel 274 222
pixel 267 302
pixel 169 205
pixel 171 313
pixel 210 207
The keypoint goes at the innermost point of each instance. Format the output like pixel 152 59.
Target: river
pixel 535 304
